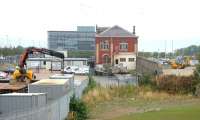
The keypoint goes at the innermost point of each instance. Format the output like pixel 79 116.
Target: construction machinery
pixel 179 63
pixel 21 73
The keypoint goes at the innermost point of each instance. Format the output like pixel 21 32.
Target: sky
pixel 158 22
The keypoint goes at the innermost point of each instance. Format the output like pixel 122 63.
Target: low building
pixel 117 46
pixel 55 63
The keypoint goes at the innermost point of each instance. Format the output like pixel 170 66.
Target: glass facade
pixel 72 40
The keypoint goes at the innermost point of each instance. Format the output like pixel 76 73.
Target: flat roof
pixel 21 94
pixel 73 31
pixel 61 76
pixel 51 82
pixel 57 59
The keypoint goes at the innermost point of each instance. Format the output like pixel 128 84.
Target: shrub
pixel 196 82
pixel 78 108
pixel 197 90
pixel 176 84
pixel 91 84
pixel 197 73
pixel 147 80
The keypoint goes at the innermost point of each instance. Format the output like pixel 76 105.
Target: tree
pixel 11 51
pixel 197 78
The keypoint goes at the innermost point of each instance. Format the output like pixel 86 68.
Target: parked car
pixel 76 70
pixel 3 75
pixel 70 69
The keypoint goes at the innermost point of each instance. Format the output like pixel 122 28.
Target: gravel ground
pixel 179 72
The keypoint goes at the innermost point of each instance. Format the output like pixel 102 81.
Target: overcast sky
pixel 26 22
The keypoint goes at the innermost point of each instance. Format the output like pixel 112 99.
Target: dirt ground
pixel 179 72
pixel 44 74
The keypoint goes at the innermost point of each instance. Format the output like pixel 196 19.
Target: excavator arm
pixel 21 72
pixel 32 50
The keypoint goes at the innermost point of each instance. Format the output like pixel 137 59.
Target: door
pixel 116 61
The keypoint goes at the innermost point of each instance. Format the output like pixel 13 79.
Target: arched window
pixel 106 59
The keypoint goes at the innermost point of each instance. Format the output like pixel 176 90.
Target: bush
pixel 197 73
pixel 146 80
pixel 171 83
pixel 91 84
pixel 197 90
pixel 176 84
pixel 78 108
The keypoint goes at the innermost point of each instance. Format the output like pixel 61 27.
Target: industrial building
pixel 81 40
pixel 55 64
pixel 117 46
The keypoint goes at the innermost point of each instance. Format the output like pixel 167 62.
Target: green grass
pixel 187 112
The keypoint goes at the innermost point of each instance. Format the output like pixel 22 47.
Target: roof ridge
pixel 106 30
pixel 113 31
pixel 124 29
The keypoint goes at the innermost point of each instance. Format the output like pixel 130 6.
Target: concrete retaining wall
pixel 55 109
pixel 146 66
pixel 79 87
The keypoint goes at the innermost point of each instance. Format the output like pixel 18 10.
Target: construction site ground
pixel 44 74
pixel 6 87
pixel 179 72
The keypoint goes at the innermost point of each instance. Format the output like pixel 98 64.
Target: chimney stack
pixel 134 30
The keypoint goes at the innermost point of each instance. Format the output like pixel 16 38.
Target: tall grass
pixel 99 94
pixel 91 84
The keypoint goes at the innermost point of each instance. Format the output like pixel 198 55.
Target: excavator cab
pixel 178 63
pixel 23 75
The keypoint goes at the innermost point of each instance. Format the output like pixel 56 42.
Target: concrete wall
pixel 79 87
pixel 55 109
pixel 146 66
pixel 21 101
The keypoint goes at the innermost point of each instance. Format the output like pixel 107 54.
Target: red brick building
pixel 117 46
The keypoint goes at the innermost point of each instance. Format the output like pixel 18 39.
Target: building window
pixel 123 46
pixel 84 63
pixel 131 59
pixel 122 59
pixel 106 59
pixel 105 45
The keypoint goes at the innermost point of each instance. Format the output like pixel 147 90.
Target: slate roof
pixel 116 31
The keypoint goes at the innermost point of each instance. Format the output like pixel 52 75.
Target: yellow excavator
pixel 175 65
pixel 180 62
pixel 20 74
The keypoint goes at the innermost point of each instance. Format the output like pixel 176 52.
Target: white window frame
pixel 131 59
pixel 123 46
pixel 122 59
pixel 104 45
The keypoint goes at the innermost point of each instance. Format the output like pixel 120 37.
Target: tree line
pixel 11 51
pixel 192 50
